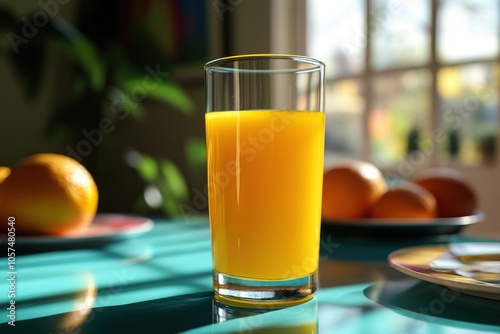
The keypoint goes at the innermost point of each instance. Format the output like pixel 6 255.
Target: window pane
pixel 468 29
pixel 399 119
pixel 468 111
pixel 336 35
pixel 344 118
pixel 399 33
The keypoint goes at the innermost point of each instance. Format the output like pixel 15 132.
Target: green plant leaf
pixel 28 54
pixel 170 92
pixel 196 153
pixel 170 205
pixel 148 168
pixel 124 69
pixel 196 157
pixel 166 91
pixel 173 181
pixel 81 49
pixel 140 84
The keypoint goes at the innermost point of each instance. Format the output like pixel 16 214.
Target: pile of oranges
pixel 47 194
pixel 357 189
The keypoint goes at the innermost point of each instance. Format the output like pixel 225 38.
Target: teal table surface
pixel 160 282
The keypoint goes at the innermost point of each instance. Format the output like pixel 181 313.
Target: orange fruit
pixel 350 189
pixel 405 201
pixel 4 172
pixel 454 195
pixel 48 194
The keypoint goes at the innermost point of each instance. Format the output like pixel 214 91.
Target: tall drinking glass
pixel 265 147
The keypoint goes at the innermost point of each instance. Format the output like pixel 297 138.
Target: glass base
pixel 257 293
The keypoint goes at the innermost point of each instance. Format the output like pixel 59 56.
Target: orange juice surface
pixel 265 171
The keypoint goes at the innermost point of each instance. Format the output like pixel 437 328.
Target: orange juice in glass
pixel 265 147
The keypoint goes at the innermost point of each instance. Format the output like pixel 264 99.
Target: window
pixel 415 81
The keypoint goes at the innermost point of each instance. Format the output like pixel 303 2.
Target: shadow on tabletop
pixel 167 315
pixel 433 303
pixel 193 313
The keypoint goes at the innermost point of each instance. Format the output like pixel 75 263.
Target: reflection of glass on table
pixel 301 318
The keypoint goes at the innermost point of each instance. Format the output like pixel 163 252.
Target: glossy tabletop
pixel 160 282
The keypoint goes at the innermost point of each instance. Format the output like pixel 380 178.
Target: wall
pixel 22 121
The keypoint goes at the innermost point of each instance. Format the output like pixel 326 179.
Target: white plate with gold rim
pixel 472 267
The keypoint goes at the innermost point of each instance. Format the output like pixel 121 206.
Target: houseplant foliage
pixel 117 66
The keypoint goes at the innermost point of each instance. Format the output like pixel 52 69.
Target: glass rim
pixel 216 65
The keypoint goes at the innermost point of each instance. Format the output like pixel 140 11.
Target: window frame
pixel 368 74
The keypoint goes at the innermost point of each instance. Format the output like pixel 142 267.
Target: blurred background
pixel 119 86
